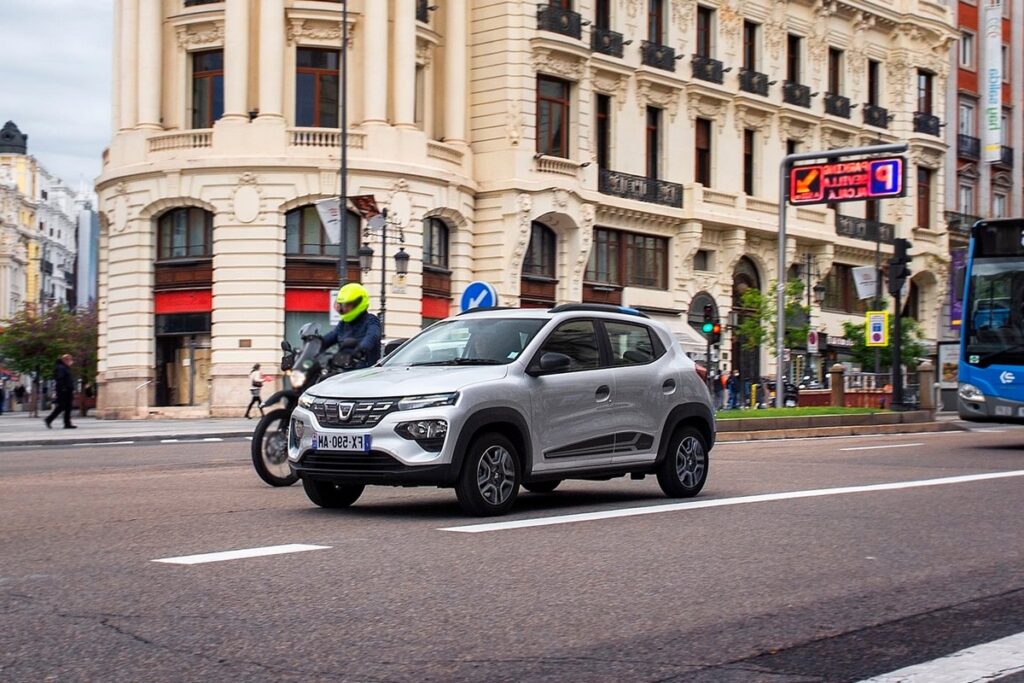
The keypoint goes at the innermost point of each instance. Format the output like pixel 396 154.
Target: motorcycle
pixel 304 367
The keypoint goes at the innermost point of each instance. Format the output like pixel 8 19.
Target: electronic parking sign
pixel 848 181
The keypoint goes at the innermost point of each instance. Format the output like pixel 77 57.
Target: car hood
pixel 388 382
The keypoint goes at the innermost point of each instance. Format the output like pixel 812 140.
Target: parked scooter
pixel 304 367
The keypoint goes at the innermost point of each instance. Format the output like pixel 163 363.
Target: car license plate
pixel 350 443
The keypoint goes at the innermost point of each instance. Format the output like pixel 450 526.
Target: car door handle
pixel 668 386
pixel 603 393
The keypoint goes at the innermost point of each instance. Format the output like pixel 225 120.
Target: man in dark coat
pixel 65 392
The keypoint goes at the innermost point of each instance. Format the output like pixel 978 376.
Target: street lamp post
pixel 343 171
pixel 366 256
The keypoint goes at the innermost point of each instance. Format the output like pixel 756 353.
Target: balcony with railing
pixel 658 56
pixel 196 3
pixel 926 123
pixel 876 116
pixel 754 82
pixel 559 20
pixel 1005 156
pixel 865 229
pixel 796 94
pixel 968 147
pixel 423 11
pixel 707 69
pixel 640 188
pixel 960 222
pixel 606 41
pixel 837 105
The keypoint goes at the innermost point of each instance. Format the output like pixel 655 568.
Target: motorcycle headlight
pixel 297 378
pixel 969 392
pixel 305 401
pixel 431 401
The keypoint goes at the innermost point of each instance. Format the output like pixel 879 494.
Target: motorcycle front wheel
pixel 270 449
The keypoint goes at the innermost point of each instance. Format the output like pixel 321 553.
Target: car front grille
pixel 342 413
pixel 374 461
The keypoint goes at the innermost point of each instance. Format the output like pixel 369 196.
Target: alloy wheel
pixel 690 462
pixel 496 475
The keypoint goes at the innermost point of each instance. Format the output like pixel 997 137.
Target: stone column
pixel 404 90
pixel 375 63
pixel 236 59
pixel 115 104
pixel 150 55
pixel 272 50
pixel 129 74
pixel 455 71
pixel 837 385
pixel 926 386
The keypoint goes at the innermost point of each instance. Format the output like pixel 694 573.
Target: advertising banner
pixel 957 268
pixel 864 278
pixel 992 123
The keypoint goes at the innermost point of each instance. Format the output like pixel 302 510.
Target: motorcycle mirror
pixel 286 346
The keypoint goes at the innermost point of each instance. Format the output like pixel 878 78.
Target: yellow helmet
pixel 353 294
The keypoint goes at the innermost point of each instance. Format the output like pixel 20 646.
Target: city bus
pixel 990 382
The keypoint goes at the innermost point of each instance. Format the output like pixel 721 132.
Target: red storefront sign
pixel 848 181
pixel 183 301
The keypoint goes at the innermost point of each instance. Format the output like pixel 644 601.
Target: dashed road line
pixel 245 553
pixel 722 502
pixel 987 662
pixel 875 448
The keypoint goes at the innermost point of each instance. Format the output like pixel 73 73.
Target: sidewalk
pixel 17 429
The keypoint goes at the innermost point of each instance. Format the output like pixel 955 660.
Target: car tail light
pixel 702 372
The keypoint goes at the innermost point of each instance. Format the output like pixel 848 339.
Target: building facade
pixel 38 230
pixel 621 151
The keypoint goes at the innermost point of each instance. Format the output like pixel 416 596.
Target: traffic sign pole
pixel 780 288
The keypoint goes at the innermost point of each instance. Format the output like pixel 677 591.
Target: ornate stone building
pixel 619 151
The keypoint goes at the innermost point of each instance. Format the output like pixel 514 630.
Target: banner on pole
pixel 992 124
pixel 329 211
pixel 865 277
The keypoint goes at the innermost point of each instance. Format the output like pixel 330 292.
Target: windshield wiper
pixel 460 361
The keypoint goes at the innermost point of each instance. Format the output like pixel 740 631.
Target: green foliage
pixel 911 351
pixel 31 343
pixel 757 323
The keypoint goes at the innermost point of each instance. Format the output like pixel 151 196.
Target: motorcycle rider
pixel 353 302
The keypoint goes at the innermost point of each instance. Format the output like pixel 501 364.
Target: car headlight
pixel 969 392
pixel 431 401
pixel 423 430
pixel 306 401
pixel 297 378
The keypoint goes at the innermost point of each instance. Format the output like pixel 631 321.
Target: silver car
pixel 493 400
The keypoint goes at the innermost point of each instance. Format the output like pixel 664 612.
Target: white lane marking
pixel 242 554
pixel 989 431
pixel 168 441
pixel 875 448
pixel 987 662
pixel 212 439
pixel 752 442
pixel 103 443
pixel 721 502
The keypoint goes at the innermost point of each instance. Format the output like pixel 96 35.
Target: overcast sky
pixel 55 81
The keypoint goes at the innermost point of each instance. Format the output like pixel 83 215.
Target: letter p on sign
pixel 886 178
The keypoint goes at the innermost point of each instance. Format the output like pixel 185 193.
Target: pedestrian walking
pixel 719 391
pixel 65 392
pixel 256 382
pixel 3 398
pixel 733 385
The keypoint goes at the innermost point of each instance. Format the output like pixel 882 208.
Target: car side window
pixel 576 339
pixel 631 344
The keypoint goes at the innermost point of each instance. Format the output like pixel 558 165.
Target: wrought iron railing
pixel 423 11
pixel 926 123
pixel 876 116
pixel 707 69
pixel 606 41
pixel 754 82
pixel 658 56
pixel 968 146
pixel 864 229
pixel 837 105
pixel 1006 156
pixel 193 3
pixel 795 93
pixel 558 20
pixel 960 222
pixel 640 188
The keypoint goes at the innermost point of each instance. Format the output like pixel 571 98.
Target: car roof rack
pixel 598 308
pixel 488 308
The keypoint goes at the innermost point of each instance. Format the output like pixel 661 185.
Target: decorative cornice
pixel 200 35
pixel 557 64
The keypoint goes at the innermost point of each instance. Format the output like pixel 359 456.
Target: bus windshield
pixel 994 314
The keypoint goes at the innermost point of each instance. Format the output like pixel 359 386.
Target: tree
pixel 911 351
pixel 757 324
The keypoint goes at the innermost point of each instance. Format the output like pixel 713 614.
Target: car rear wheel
pixel 685 468
pixel 329 494
pixel 542 486
pixel 489 481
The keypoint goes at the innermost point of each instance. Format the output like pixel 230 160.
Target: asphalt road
pixel 816 588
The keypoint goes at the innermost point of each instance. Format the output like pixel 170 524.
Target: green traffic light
pixel 707 328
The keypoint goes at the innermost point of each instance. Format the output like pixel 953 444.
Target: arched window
pixel 435 243
pixel 184 233
pixel 540 255
pixel 305 234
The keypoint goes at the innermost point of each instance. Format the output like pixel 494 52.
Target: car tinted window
pixel 576 339
pixel 482 341
pixel 631 344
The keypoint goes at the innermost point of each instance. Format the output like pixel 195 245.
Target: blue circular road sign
pixel 478 295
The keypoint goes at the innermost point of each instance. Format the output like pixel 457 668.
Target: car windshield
pixel 469 341
pixel 995 312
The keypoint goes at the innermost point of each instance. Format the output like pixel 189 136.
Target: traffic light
pixel 716 332
pixel 898 271
pixel 709 319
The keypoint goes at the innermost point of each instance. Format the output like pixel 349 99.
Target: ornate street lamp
pixel 819 293
pixel 365 258
pixel 402 262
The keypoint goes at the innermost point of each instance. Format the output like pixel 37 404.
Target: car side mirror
pixel 552 362
pixel 392 345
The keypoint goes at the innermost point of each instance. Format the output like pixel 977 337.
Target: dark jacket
pixel 65 380
pixel 366 331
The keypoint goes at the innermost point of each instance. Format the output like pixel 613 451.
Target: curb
pixel 116 438
pixel 854 430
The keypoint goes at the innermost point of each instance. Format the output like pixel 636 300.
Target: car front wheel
pixel 328 494
pixel 685 468
pixel 489 481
